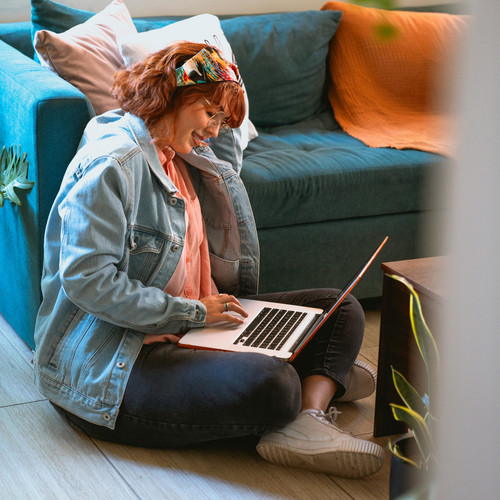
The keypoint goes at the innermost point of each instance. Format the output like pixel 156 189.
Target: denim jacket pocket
pixel 225 274
pixel 70 336
pixel 143 253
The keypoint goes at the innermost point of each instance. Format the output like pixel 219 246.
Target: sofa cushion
pixel 284 66
pixel 393 91
pixel 48 15
pixel 314 172
pixel 101 39
pixel 87 55
pixel 17 35
pixel 282 58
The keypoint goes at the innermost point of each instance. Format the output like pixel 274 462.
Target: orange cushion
pixel 393 91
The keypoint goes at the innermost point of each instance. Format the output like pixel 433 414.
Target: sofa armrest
pixel 45 115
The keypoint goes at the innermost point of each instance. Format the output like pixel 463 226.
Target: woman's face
pixel 195 123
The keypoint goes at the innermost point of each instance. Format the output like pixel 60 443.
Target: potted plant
pixel 13 174
pixel 417 450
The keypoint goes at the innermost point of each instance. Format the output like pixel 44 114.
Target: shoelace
pixel 331 415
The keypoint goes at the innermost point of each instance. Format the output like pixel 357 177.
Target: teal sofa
pixel 322 200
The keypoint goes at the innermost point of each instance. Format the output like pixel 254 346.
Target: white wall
pixel 469 438
pixel 19 10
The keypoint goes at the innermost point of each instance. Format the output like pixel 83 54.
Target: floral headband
pixel 207 66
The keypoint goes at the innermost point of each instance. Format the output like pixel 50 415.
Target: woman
pixel 131 263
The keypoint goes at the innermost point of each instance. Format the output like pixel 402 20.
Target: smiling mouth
pixel 198 138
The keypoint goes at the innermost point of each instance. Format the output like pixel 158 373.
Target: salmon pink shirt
pixel 192 279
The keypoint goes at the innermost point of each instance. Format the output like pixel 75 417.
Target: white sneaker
pixel 360 382
pixel 314 442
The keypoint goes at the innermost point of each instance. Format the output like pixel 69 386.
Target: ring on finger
pixel 226 306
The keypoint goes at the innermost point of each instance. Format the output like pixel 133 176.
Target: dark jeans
pixel 177 396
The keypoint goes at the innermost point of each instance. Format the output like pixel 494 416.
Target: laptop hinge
pixel 307 332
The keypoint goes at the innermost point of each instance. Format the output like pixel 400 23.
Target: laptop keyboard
pixel 271 328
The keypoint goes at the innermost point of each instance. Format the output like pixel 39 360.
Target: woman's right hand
pixel 221 308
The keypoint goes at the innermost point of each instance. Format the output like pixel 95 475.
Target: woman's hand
pixel 218 307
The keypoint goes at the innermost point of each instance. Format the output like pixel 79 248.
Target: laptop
pixel 271 328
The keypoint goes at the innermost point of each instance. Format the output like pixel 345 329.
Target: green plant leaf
pixel 396 451
pixel 426 344
pixel 421 431
pixel 13 174
pixel 386 31
pixel 425 341
pixel 408 394
pixel 380 4
pixel 418 411
pixel 383 29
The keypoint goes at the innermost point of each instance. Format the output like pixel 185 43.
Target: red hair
pixel 148 89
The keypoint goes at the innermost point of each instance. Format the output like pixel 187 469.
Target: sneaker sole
pixel 369 368
pixel 362 459
pixel 346 398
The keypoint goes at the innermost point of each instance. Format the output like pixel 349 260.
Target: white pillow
pixel 204 28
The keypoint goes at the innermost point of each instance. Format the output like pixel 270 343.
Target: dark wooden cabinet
pixel 397 346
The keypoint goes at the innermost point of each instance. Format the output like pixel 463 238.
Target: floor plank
pixel 372 327
pixel 15 341
pixel 356 417
pixel 16 380
pixel 225 469
pixel 42 457
pixel 372 487
pixel 369 354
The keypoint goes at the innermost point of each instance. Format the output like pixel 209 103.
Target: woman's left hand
pixel 219 305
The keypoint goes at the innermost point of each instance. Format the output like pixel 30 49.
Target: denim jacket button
pixel 107 417
pixel 173 201
pixel 120 364
pixel 175 248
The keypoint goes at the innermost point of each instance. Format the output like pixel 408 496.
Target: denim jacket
pixel 113 239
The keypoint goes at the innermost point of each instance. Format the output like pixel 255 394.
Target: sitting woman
pixel 151 235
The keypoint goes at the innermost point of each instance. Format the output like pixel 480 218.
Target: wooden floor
pixel 42 457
